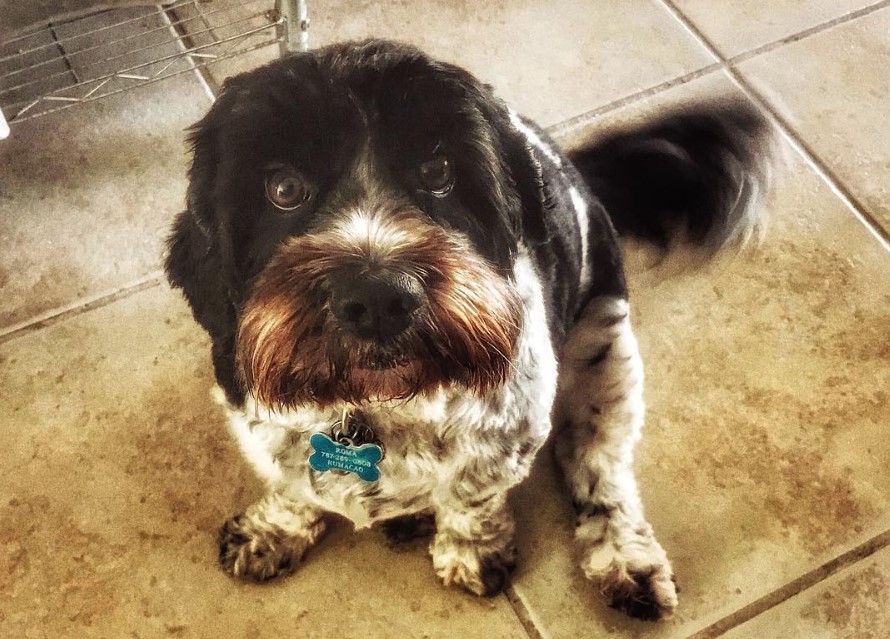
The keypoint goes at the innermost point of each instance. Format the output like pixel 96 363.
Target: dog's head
pixel 353 218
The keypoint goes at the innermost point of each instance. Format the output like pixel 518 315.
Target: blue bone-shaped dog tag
pixel 329 455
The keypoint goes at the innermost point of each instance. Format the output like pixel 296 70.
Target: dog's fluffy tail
pixel 696 175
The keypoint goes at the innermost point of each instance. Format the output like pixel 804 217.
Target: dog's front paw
pixel 635 576
pixel 261 553
pixel 474 568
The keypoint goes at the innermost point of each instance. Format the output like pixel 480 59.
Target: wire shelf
pixel 64 64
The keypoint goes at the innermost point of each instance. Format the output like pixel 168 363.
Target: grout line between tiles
pixel 78 308
pixel 565 126
pixel 806 33
pixel 828 176
pixel 63 53
pixel 523 614
pixel 794 587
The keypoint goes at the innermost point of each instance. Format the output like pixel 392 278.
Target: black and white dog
pixel 391 264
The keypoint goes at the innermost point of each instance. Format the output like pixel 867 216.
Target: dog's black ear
pixel 200 198
pixel 198 259
pixel 524 203
pixel 511 160
pixel 522 170
pixel 193 264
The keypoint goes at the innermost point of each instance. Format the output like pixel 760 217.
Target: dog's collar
pixel 354 429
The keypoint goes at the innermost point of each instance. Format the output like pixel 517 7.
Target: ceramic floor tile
pixel 853 604
pixel 117 470
pixel 736 27
pixel 25 16
pixel 87 195
pixel 835 89
pixel 765 451
pixel 550 60
pixel 18 85
pixel 121 40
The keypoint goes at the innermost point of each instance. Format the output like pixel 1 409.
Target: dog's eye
pixel 287 189
pixel 436 176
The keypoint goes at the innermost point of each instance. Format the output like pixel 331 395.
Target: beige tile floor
pixel 766 462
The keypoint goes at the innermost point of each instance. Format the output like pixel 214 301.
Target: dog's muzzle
pixel 376 307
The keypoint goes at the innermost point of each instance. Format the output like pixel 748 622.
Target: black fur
pixel 496 571
pixel 402 530
pixel 320 111
pixel 558 254
pixel 641 604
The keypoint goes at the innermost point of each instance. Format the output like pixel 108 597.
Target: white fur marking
pixel 373 232
pixel 535 140
pixel 256 436
pixel 584 230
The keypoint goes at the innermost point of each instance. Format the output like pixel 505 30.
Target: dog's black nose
pixel 378 306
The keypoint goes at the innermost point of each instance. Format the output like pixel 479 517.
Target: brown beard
pixel 291 351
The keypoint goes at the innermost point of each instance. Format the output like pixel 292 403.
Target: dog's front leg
pixel 269 539
pixel 601 400
pixel 473 547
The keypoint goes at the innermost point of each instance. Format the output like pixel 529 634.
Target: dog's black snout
pixel 377 307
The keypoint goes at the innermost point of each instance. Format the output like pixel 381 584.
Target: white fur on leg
pixel 269 539
pixel 601 399
pixel 473 547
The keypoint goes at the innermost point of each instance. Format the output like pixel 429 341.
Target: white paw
pixel 633 573
pixel 475 568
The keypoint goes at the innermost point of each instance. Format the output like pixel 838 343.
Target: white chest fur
pixel 433 442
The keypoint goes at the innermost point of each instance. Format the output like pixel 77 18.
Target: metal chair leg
pixel 294 30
